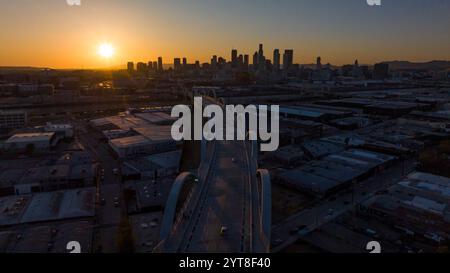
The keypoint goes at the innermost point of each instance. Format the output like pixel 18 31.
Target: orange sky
pixel 49 33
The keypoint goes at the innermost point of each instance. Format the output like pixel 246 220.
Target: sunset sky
pixel 52 34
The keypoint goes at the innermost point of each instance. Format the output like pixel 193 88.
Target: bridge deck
pixel 224 202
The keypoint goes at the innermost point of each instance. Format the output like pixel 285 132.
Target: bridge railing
pixel 265 193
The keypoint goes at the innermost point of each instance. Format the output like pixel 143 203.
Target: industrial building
pixel 38 141
pixel 334 172
pixel 153 166
pixel 47 206
pixel 12 120
pixel 140 145
pixel 137 134
pixel 418 204
pixel 72 170
pixel 49 238
pixel 310 113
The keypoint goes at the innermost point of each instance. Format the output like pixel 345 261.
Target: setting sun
pixel 106 51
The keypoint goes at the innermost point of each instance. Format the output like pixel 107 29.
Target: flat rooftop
pixel 132 141
pixel 27 137
pixel 49 238
pixel 48 206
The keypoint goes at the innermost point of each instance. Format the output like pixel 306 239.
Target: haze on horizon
pixel 49 33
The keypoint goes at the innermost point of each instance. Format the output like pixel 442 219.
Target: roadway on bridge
pixel 224 202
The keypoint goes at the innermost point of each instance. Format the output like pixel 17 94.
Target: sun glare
pixel 106 51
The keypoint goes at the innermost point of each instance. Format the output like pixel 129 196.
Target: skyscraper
pixel 184 62
pixel 261 58
pixel 255 60
pixel 261 51
pixel 177 64
pixel 276 59
pixel 141 67
pixel 246 60
pixel 319 63
pixel 214 61
pixel 130 67
pixel 160 64
pixel 240 60
pixel 234 57
pixel 288 59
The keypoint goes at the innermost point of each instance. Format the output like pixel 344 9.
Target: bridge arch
pixel 181 189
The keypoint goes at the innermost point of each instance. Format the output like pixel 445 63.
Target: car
pixel 277 242
pixel 116 204
pixel 371 232
pixel 302 227
pixel 103 201
pixel 116 199
pixel 293 231
pixel 223 230
pixel 233 160
pixel 330 212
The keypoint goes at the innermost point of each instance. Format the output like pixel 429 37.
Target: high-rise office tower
pixel 150 66
pixel 177 64
pixel 214 61
pixel 319 63
pixel 246 60
pixel 261 51
pixel 160 64
pixel 130 67
pixel 288 59
pixel 255 60
pixel 240 60
pixel 234 57
pixel 261 58
pixel 222 60
pixel 141 67
pixel 276 59
pixel 155 66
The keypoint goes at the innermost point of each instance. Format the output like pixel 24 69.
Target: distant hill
pixel 405 65
pixel 20 68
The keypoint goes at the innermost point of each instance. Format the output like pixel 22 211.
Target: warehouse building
pixel 417 205
pixel 38 141
pixel 334 172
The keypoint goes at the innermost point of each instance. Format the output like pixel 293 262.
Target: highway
pixel 226 202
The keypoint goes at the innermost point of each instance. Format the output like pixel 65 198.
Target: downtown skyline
pixel 69 37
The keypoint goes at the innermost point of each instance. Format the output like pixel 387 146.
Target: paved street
pixel 324 212
pixel 110 206
pixel 222 204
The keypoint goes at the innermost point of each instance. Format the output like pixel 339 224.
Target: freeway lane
pixel 224 203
